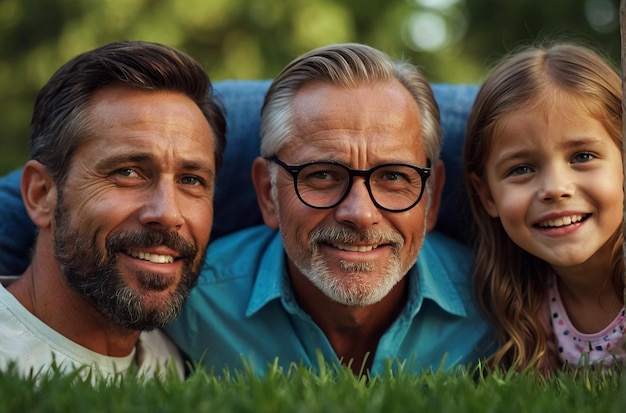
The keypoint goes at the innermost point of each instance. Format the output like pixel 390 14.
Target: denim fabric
pixel 235 200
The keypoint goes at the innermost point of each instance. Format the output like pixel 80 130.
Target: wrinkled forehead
pixel 382 116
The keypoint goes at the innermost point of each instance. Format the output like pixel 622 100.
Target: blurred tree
pixel 452 40
pixel 498 27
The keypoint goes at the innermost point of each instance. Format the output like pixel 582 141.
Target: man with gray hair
pixel 349 184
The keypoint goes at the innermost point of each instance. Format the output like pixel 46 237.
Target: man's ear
pixel 484 193
pixel 262 184
pixel 436 181
pixel 39 193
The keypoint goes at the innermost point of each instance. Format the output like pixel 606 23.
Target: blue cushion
pixel 455 103
pixel 17 232
pixel 235 200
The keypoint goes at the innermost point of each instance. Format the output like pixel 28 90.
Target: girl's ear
pixel 39 193
pixel 261 179
pixel 484 193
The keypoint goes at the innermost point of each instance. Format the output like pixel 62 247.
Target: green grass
pixel 329 390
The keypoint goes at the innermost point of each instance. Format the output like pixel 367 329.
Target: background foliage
pixel 454 41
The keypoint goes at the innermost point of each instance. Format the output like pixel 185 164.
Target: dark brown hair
pixel 60 120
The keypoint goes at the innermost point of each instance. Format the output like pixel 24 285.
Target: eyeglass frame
pixel 294 170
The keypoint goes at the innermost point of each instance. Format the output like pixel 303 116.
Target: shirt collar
pixel 429 279
pixel 269 277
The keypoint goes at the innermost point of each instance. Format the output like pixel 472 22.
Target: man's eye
pixel 319 175
pixel 191 180
pixel 127 172
pixel 312 174
pixel 394 176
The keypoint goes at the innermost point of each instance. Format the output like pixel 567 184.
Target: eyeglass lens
pixel 394 187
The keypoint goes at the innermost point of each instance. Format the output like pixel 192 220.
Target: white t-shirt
pixel 34 347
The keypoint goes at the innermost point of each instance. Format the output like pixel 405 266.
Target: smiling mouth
pixel 562 221
pixel 154 258
pixel 354 248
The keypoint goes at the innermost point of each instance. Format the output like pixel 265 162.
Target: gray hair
pixel 347 65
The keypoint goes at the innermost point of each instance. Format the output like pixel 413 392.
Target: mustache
pixel 126 240
pixel 348 235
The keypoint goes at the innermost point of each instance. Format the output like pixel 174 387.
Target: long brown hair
pixel 511 284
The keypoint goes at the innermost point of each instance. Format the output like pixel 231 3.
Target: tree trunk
pixel 622 14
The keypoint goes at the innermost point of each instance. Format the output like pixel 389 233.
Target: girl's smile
pixel 552 176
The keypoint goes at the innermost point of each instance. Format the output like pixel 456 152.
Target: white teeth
pixel 146 256
pixel 560 222
pixel 359 248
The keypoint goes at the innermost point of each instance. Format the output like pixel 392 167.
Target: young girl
pixel 543 168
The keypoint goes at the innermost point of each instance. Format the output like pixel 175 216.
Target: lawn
pixel 327 389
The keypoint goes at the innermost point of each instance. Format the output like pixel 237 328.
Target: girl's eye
pixel 520 170
pixel 583 157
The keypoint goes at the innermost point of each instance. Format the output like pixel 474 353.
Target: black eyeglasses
pixel 393 187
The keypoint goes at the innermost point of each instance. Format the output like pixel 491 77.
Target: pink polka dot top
pixel 574 347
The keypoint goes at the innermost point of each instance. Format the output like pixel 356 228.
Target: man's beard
pixel 96 275
pixel 360 283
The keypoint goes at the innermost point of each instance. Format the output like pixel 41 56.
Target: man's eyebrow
pixel 124 158
pixel 142 158
pixel 201 166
